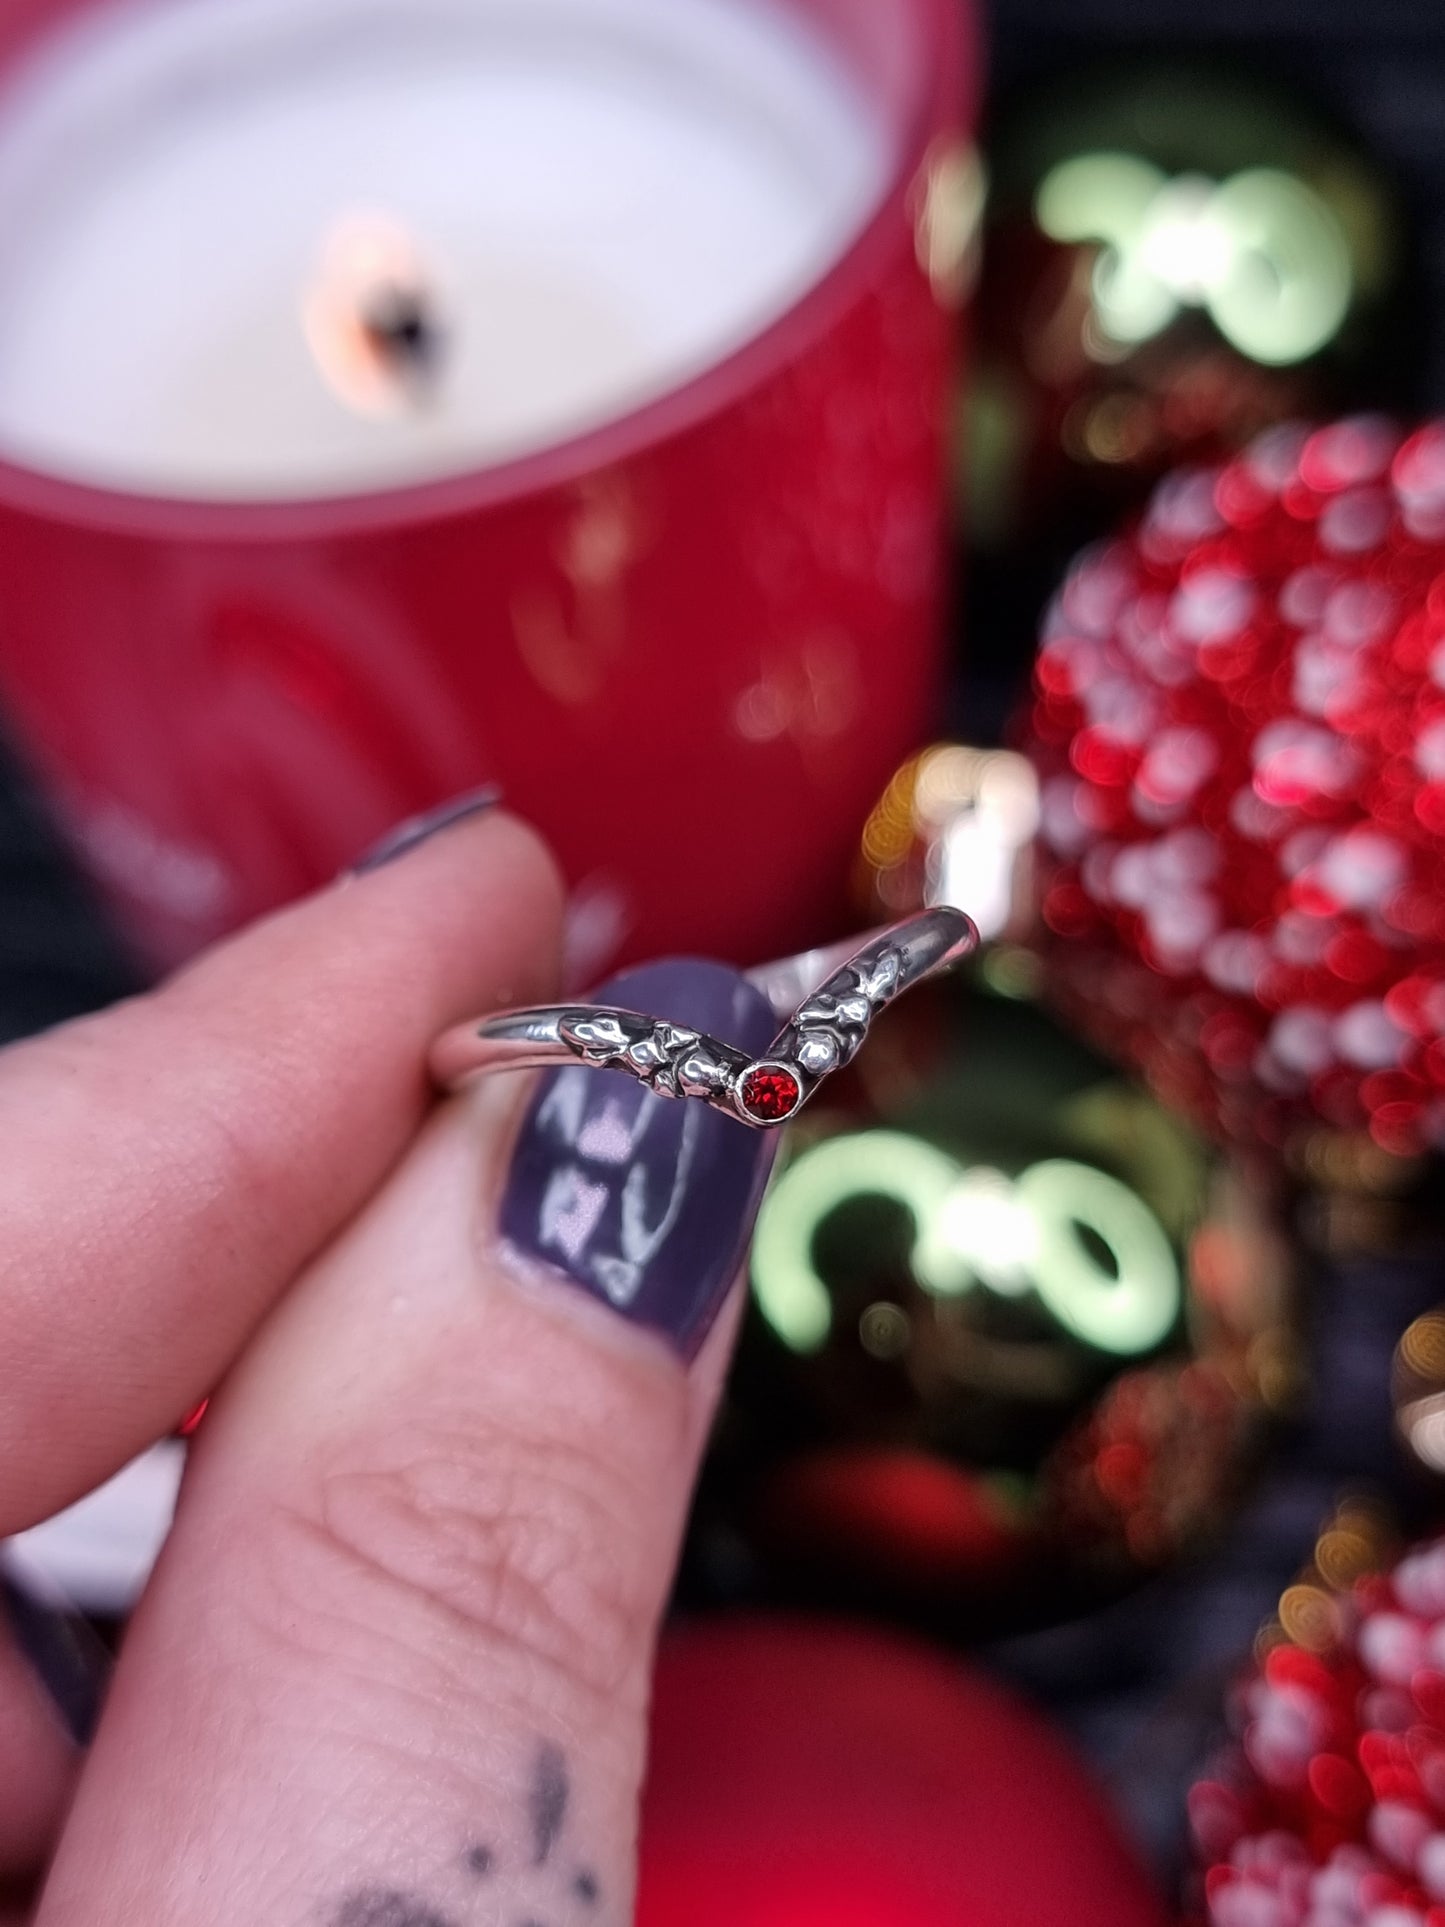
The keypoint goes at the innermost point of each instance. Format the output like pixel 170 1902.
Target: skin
pixel 392 1669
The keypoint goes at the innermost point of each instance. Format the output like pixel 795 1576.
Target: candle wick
pixel 403 330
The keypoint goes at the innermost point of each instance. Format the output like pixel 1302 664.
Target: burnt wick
pixel 403 329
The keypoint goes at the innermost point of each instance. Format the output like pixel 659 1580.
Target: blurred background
pixel 1055 526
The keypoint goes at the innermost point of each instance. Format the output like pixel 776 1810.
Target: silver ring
pixel 828 997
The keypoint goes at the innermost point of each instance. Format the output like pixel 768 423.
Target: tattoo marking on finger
pixel 388 1907
pixel 548 1801
pixel 548 1796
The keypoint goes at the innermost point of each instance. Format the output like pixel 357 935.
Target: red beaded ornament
pixel 1240 726
pixel 1330 1811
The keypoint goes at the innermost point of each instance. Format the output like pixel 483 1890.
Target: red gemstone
pixel 769 1093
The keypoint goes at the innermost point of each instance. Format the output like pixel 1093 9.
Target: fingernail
pixel 646 1202
pixel 63 1652
pixel 420 829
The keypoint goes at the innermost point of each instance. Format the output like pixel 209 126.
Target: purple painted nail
pixel 420 829
pixel 647 1202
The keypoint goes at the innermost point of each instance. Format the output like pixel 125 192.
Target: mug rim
pixel 944 98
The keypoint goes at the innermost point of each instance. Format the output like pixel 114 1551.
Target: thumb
pixel 393 1668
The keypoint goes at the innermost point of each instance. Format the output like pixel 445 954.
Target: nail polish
pixel 65 1655
pixel 417 830
pixel 646 1202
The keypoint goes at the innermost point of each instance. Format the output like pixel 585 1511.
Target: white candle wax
pixel 607 195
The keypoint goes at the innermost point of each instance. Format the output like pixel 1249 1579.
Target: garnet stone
pixel 768 1093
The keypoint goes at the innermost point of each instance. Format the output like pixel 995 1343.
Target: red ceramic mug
pixel 690 645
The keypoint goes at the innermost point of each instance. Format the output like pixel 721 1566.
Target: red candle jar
pixel 690 642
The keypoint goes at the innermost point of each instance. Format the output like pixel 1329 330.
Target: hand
pixel 392 1669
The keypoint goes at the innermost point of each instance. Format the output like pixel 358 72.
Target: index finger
pixel 168 1166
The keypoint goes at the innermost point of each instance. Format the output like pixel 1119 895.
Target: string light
pixel 1261 253
pixel 1126 1313
pixel 973 1229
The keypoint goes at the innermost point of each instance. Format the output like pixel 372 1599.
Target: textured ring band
pixel 826 1023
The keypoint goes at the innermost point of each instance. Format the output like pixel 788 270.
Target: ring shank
pixel 532 1038
pixel 519 1040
